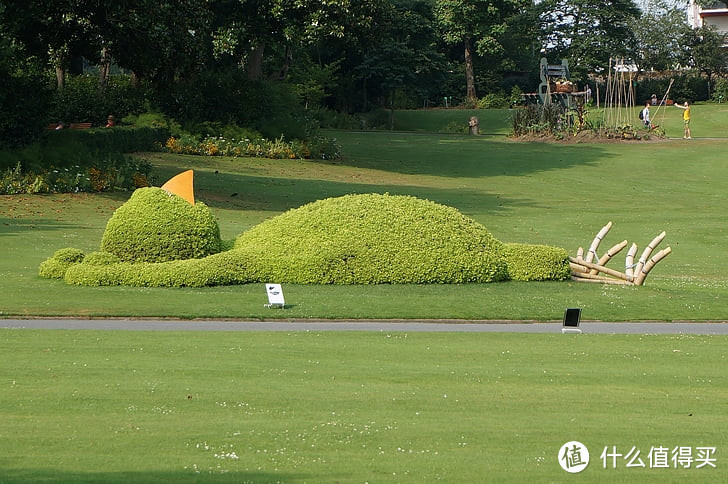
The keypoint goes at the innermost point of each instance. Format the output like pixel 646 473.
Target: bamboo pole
pixel 595 243
pixel 648 250
pixel 598 278
pixel 629 261
pixel 663 103
pixel 611 253
pixel 650 264
pixel 603 269
pixel 578 268
pixel 608 97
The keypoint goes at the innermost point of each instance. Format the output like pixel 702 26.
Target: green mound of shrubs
pixel 55 267
pixel 536 262
pixel 373 239
pixel 355 239
pixel 155 226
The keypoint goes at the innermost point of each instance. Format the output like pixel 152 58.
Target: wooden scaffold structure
pixel 592 268
pixel 619 98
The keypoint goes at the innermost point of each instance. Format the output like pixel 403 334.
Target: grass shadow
pixel 231 191
pixel 16 226
pixel 192 475
pixel 459 156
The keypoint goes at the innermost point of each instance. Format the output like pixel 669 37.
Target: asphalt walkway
pixel 683 327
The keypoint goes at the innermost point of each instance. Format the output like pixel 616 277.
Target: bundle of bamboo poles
pixel 585 269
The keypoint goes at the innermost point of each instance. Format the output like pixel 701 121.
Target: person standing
pixel 686 120
pixel 646 115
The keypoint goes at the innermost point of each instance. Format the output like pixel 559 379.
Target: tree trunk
pixel 255 63
pixel 283 72
pixel 104 69
pixel 60 77
pixel 469 72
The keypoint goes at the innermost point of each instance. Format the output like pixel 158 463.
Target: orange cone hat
pixel 182 185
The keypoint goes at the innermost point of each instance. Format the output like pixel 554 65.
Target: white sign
pixel 275 296
pixel 573 457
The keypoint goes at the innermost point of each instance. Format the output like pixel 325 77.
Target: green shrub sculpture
pixel 373 239
pixel 155 226
pixel 354 239
pixel 55 267
pixel 536 262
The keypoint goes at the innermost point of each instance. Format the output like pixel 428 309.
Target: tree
pixel 52 31
pixel 588 32
pixel 245 29
pixel 660 32
pixel 405 57
pixel 23 95
pixel 706 52
pixel 480 27
pixel 158 40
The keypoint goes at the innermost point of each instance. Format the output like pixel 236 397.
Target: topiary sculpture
pixel 156 226
pixel 158 238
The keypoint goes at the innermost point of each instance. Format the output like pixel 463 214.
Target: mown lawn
pixel 310 407
pixel 95 406
pixel 537 193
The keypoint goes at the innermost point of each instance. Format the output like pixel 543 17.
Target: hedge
pixel 154 226
pixel 536 262
pixel 355 239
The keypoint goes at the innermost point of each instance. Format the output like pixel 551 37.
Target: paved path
pixel 707 328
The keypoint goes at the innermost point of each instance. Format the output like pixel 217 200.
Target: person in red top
pixel 110 123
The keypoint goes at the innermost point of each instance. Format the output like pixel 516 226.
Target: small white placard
pixel 275 296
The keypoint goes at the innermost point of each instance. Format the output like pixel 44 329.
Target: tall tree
pixel 245 29
pixel 52 31
pixel 588 32
pixel 480 27
pixel 706 52
pixel 154 39
pixel 406 56
pixel 660 32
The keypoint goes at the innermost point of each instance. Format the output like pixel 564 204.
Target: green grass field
pixel 97 406
pixel 539 193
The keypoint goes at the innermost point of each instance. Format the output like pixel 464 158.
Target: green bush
pixel 720 90
pixel 81 100
pixel 154 226
pixel 494 100
pixel 373 239
pixel 318 147
pixel 355 239
pixel 24 97
pixel 55 267
pixel 116 172
pixel 536 262
pixel 101 258
pixel 225 268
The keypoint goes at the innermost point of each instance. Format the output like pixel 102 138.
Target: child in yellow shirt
pixel 686 119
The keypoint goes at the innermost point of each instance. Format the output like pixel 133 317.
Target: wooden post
pixel 474 125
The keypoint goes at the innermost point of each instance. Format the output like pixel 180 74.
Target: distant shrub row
pixel 114 173
pixel 318 147
pixel 90 160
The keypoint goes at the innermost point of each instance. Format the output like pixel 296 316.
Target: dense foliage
pixel 155 226
pixel 354 239
pixel 536 262
pixel 373 239
pixel 81 161
pixel 269 66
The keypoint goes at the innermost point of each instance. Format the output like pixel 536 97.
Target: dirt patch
pixel 586 137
